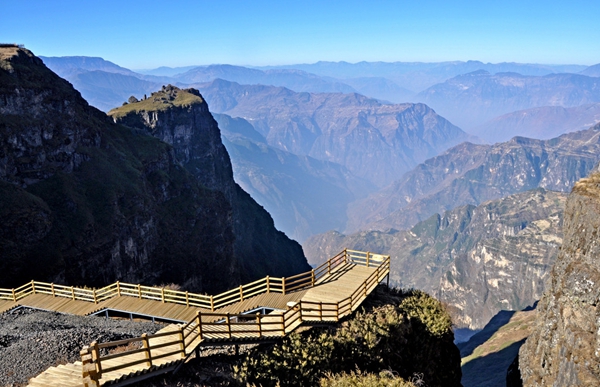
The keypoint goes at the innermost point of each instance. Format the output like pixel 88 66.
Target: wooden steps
pixel 327 294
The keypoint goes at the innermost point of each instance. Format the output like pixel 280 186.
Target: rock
pixel 564 348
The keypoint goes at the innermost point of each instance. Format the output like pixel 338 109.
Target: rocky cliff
pixel 181 118
pixel 478 260
pixel 564 348
pixel 84 201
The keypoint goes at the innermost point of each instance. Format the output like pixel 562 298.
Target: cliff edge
pixel 564 347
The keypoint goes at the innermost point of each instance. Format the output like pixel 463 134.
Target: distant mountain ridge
pixel 471 174
pixel 304 195
pixel 375 141
pixel 541 122
pixel 471 99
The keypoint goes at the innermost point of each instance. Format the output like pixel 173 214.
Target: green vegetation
pixel 403 332
pixel 162 100
pixel 358 379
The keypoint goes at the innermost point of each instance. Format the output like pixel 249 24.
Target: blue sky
pixel 178 33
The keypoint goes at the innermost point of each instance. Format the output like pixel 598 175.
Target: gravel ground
pixel 31 341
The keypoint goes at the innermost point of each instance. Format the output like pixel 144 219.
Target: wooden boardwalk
pixel 264 310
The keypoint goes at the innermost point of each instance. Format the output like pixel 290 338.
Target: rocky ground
pixel 31 341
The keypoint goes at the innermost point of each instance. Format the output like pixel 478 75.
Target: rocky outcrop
pixel 181 118
pixel 564 348
pixel 478 260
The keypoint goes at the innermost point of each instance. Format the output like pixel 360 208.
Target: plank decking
pixel 326 294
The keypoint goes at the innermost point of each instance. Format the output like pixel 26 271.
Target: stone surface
pixel 564 348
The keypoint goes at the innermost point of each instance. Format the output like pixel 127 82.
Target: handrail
pixel 221 326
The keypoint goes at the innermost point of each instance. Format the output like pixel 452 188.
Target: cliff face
pixel 181 118
pixel 564 348
pixel 478 260
pixel 86 202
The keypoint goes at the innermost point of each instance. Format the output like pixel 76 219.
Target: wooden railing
pixel 210 326
pixel 265 285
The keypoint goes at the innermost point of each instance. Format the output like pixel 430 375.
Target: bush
pixel 405 332
pixel 358 379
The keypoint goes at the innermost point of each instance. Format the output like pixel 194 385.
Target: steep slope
pixel 87 202
pixel 181 118
pixel 305 196
pixel 541 123
pixel 471 99
pixel 374 141
pixel 564 346
pixel 470 174
pixel 478 260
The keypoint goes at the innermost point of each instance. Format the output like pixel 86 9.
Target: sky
pixel 149 34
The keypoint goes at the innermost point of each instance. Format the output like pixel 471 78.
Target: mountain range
pixel 472 173
pixel 471 99
pixel 375 141
pixel 477 259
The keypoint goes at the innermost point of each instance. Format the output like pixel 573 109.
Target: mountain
pixel 165 71
pixel 562 350
pixel 380 88
pixel 418 76
pixel 85 201
pixel 471 174
pixel 542 122
pixel 375 141
pixel 471 99
pixel 592 71
pixel 181 118
pixel 477 260
pixel 66 66
pixel 296 80
pixel 305 196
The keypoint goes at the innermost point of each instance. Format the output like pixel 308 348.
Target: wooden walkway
pixel 264 310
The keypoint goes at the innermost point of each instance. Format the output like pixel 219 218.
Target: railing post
pixel 345 255
pixel 73 293
pixel 283 285
pixel 52 288
pixel 199 323
pixel 282 325
pixel 367 259
pixel 241 293
pixel 268 285
pixel 140 291
pixel 328 266
pixel 14 295
pixel 337 311
pixel 88 368
pixel 32 287
pixel 162 294
pixel 320 310
pixel 181 342
pixel 228 320
pixel 96 358
pixel 312 277
pixel 212 303
pixel 118 289
pixel 95 298
pixel 258 322
pixel 147 352
pixel 187 298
